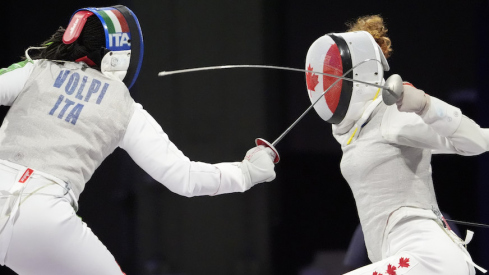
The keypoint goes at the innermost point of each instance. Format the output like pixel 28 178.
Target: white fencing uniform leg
pixel 419 246
pixel 48 237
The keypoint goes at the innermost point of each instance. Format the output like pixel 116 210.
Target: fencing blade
pixel 392 87
pixel 392 91
pixel 482 225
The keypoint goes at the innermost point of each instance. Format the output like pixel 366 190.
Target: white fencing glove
pixel 412 100
pixel 258 166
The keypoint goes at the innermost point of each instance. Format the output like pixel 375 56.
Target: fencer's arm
pixel 466 136
pixel 12 80
pixel 442 128
pixel 149 146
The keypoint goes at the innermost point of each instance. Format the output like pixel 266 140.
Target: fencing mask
pixel 337 54
pixel 124 48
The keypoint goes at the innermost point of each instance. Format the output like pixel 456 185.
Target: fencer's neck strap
pixel 365 116
pixel 27 56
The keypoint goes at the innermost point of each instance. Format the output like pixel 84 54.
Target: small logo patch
pixel 28 172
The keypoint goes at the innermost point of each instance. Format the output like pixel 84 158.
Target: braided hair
pixel 92 39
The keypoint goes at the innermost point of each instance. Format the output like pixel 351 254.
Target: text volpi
pixel 77 91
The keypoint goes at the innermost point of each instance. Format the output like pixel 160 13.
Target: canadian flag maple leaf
pixel 391 270
pixel 311 79
pixel 404 262
pixel 376 273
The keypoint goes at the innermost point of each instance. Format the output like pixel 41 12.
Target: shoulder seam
pixel 15 66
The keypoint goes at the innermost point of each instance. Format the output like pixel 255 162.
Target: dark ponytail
pixel 91 39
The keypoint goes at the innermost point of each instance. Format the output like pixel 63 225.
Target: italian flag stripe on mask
pixel 114 20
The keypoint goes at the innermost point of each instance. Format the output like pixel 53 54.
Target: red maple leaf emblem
pixel 404 262
pixel 391 270
pixel 311 79
pixel 376 273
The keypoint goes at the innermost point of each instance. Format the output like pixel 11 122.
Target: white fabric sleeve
pixel 149 146
pixel 443 129
pixel 442 117
pixel 12 80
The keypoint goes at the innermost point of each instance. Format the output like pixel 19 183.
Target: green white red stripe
pixel 115 21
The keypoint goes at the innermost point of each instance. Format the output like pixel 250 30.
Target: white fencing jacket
pixel 388 165
pixel 66 118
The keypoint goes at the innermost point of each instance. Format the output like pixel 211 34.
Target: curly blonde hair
pixel 373 24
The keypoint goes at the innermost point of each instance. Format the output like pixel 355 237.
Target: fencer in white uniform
pixel 70 109
pixel 386 157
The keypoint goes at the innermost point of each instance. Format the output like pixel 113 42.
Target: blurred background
pixel 302 223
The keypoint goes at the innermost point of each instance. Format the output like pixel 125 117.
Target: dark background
pixel 306 217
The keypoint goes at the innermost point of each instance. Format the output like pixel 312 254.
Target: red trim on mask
pixel 75 27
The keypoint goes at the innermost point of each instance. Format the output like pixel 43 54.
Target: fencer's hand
pixel 257 166
pixel 412 100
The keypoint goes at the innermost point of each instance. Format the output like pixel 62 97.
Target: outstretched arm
pixel 424 121
pixel 149 146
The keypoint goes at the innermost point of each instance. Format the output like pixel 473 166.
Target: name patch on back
pixel 76 90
